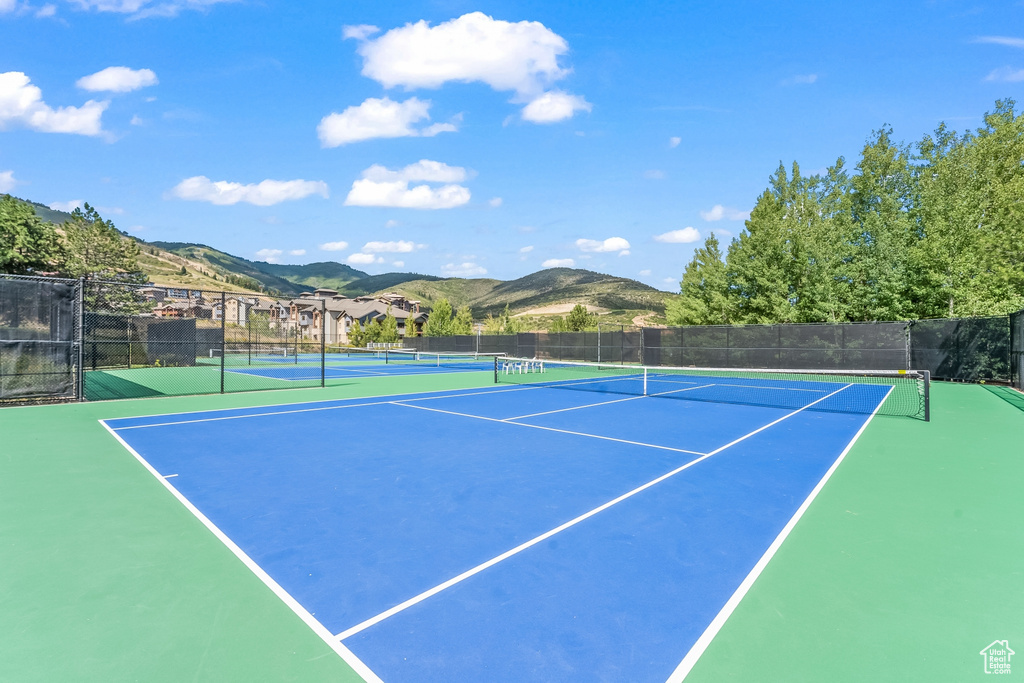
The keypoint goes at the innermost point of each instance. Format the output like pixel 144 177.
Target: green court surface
pixel 906 565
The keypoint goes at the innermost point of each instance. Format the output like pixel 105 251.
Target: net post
pixel 927 396
pixel 323 343
pixel 645 381
pixel 80 373
pixel 223 339
pixel 495 369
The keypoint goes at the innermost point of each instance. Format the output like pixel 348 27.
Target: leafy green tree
pixel 356 337
pixel 558 325
pixel 884 272
pixel 579 320
pixel 439 323
pixel 505 323
pixel 704 298
pixel 27 244
pixel 410 326
pixel 463 322
pixel 373 331
pixel 389 328
pixel 96 250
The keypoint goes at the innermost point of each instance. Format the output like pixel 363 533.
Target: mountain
pixel 286 279
pixel 535 298
pixel 621 299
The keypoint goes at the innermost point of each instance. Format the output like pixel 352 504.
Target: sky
pixel 490 139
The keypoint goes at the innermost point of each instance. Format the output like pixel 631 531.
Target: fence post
pixel 599 342
pixel 323 342
pixel 80 333
pixel 223 340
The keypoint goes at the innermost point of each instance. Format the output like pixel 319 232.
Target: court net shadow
pixel 1008 394
pixel 102 386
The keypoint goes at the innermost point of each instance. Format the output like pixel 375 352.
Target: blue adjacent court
pixel 518 533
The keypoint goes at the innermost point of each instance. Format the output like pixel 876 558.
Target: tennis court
pixel 569 525
pixel 535 534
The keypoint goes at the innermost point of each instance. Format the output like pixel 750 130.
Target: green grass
pixel 904 567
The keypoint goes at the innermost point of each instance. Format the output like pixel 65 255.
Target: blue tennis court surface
pixel 505 534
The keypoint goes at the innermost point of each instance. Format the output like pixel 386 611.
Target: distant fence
pixel 66 339
pixel 961 350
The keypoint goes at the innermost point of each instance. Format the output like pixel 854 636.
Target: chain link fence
pixel 66 339
pixel 1017 350
pixel 39 347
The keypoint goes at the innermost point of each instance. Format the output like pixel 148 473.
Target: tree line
pixel 86 245
pixel 925 230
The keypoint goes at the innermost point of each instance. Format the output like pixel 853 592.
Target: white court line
pixel 604 403
pixel 548 534
pixel 168 476
pixel 347 655
pixel 549 429
pixel 386 400
pixel 723 615
pixel 655 380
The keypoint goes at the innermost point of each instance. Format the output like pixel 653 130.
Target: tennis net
pixel 901 392
pixel 449 359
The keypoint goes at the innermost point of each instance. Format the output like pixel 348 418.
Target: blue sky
pixel 488 139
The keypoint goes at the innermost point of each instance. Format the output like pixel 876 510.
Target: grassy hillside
pixel 622 299
pixel 385 282
pixel 287 279
pixel 533 298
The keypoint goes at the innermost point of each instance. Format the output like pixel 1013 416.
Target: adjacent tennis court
pixel 533 533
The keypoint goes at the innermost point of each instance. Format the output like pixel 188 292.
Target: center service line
pixel 558 529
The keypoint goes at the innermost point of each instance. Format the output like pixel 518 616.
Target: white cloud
pixel 554 106
pixel 1002 40
pixel 136 120
pixel 265 193
pixel 800 79
pixel 645 272
pixel 297 252
pixel 334 246
pixel 618 244
pixel 467 269
pixel 424 170
pixel 391 224
pixel 673 142
pixel 400 247
pixel 7 5
pixel 22 103
pixel 378 118
pixel 495 202
pixel 526 250
pixel 360 32
pixel 67 206
pixel 521 57
pixel 718 212
pixel 364 259
pixel 269 255
pixel 7 181
pixel 43 12
pixel 558 263
pixel 398 264
pixel 146 8
pixel 381 186
pixel 654 174
pixel 117 79
pixel 1006 74
pixel 683 236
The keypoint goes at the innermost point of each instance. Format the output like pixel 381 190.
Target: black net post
pixel 223 329
pixel 80 340
pixel 323 342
